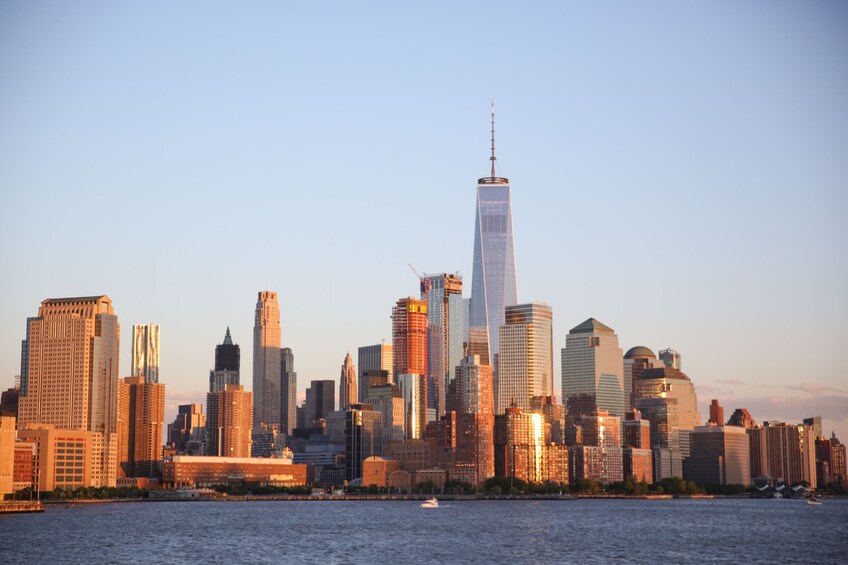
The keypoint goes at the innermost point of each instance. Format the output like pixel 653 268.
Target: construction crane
pixel 423 280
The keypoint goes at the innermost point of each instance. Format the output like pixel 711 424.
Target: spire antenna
pixel 493 158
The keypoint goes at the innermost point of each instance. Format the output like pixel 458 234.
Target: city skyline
pixel 671 182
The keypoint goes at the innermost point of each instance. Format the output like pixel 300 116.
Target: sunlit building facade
pixel 142 407
pixel 347 384
pixel 447 318
pixel 71 359
pixel 525 361
pixel 671 383
pixel 145 352
pixel 379 357
pixel 413 390
pixel 475 420
pixel 266 360
pixel 288 392
pixel 592 365
pixel 229 415
pixel 227 364
pixel 493 283
pixel 720 455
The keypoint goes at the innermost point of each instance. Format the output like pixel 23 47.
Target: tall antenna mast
pixel 493 158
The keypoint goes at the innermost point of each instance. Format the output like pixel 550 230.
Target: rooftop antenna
pixel 493 158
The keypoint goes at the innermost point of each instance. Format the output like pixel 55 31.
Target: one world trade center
pixel 493 285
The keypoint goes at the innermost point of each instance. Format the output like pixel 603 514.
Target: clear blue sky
pixel 679 171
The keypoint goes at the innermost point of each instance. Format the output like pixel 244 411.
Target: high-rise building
pixel 636 431
pixel 145 352
pixel 525 361
pixel 188 426
pixel 670 358
pixel 229 417
pixel 143 411
pixel 493 283
pixel 347 384
pixel 523 449
pixel 320 400
pixel 741 417
pixel 790 452
pixel 266 360
pixel 378 357
pixel 387 400
pixel 71 379
pixel 447 331
pixel 409 336
pixel 720 455
pixel 413 390
pixel 636 360
pixel 363 437
pixel 288 392
pixel 592 364
pixel 716 414
pixel 227 363
pixel 671 383
pixel 830 462
pixel 475 419
pixel 553 414
pixel 663 416
pixel 816 423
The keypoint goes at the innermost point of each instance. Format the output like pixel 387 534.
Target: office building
pixel 636 431
pixel 790 452
pixel 523 449
pixel 636 360
pixel 347 384
pixel 592 365
pixel 602 464
pixel 475 420
pixel 638 464
pixel 320 401
pixel 229 417
pixel 816 423
pixel 7 454
pixel 741 417
pixel 525 361
pixel 189 426
pixel 553 415
pixel 720 455
pixel 71 358
pixel 227 365
pixel 266 360
pixel 671 383
pixel 288 392
pixel 362 437
pixel 65 459
pixel 145 352
pixel 493 283
pixel 664 420
pixel 716 414
pixel 413 390
pixel 670 358
pixel 447 331
pixel 379 357
pixel 142 410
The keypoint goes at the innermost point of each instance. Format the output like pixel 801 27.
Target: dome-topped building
pixel 639 351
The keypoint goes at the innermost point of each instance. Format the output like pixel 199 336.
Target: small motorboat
pixel 814 501
pixel 430 503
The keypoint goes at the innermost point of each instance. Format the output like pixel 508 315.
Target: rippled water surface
pixel 578 531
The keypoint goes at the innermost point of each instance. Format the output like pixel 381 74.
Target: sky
pixel 679 171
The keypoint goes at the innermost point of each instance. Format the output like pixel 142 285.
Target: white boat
pixel 813 500
pixel 430 503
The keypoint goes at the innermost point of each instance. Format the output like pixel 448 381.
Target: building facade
pixel 266 360
pixel 592 365
pixel 288 392
pixel 493 283
pixel 347 384
pixel 525 360
pixel 227 365
pixel 145 352
pixel 229 418
pixel 71 359
pixel 475 420
pixel 143 409
pixel 379 357
pixel 719 455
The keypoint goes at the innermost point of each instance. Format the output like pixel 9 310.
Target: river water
pixel 573 531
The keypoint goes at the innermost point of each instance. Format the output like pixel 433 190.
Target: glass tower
pixel 493 284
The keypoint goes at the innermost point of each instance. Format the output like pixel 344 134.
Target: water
pixel 580 531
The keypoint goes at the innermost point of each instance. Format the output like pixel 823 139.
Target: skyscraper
pixel 378 357
pixel 347 384
pixel 673 384
pixel 636 360
pixel 525 362
pixel 475 419
pixel 143 412
pixel 670 358
pixel 447 318
pixel 409 336
pixel 493 283
pixel 288 391
pixel 227 362
pixel 592 364
pixel 413 389
pixel 229 414
pixel 71 378
pixel 145 352
pixel 266 360
pixel 320 400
